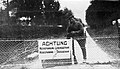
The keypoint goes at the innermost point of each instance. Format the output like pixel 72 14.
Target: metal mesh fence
pixel 110 45
pixel 16 50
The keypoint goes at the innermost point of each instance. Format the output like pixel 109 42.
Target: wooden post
pixel 72 51
pixel 118 27
pixel 40 60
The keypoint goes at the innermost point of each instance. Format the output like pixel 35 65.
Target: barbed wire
pixel 96 37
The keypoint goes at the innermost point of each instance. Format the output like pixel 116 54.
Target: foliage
pixel 41 13
pixel 100 14
pixel 38 10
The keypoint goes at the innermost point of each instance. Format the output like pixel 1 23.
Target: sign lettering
pixel 60 48
pixel 53 43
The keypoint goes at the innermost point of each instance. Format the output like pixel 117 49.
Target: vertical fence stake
pixel 40 60
pixel 72 57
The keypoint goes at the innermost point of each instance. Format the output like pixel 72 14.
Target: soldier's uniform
pixel 76 31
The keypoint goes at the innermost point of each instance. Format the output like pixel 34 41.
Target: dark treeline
pixel 100 14
pixel 41 14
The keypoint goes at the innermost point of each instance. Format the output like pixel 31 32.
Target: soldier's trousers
pixel 82 43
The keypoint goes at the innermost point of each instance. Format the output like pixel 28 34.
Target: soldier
pixel 76 31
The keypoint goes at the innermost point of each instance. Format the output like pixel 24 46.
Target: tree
pixel 36 9
pixel 100 14
pixel 41 12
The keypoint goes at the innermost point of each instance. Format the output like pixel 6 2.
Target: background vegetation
pixel 45 19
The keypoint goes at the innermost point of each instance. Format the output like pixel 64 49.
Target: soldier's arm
pixel 80 28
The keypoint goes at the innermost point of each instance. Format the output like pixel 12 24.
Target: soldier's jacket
pixel 76 30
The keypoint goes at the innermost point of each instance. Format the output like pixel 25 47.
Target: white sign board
pixel 55 48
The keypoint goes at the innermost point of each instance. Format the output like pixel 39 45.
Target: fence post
pixel 118 27
pixel 40 60
pixel 72 51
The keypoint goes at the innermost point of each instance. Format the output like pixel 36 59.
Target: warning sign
pixel 55 48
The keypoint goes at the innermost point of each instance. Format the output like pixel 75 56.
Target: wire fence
pixel 14 51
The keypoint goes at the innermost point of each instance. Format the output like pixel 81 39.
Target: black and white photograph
pixel 59 34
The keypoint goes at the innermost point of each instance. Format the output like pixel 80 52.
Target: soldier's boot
pixel 84 55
